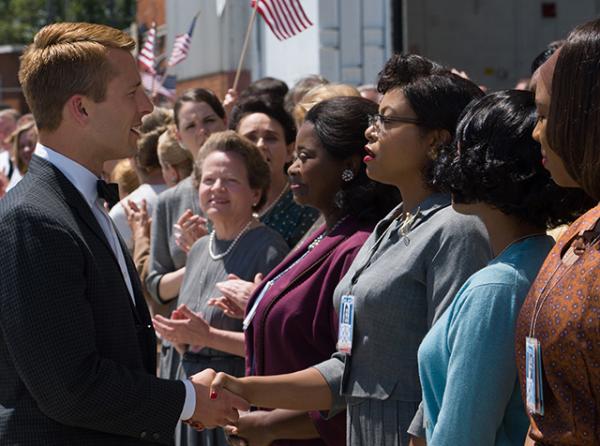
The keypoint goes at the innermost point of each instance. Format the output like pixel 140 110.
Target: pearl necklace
pixel 266 210
pixel 211 242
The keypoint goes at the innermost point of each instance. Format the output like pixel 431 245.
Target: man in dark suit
pixel 77 349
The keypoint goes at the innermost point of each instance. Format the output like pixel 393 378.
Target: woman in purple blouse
pixel 290 321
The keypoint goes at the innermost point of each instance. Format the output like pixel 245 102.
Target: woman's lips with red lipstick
pixel 370 156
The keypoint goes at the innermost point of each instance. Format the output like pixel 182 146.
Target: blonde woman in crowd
pixel 24 140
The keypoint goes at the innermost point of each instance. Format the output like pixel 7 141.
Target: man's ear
pixel 76 109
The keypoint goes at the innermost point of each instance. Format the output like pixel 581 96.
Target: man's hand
pixel 212 411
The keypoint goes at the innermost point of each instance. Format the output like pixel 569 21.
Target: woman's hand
pixel 236 293
pixel 253 427
pixel 417 441
pixel 230 100
pixel 184 327
pixel 224 381
pixel 189 228
pixel 138 219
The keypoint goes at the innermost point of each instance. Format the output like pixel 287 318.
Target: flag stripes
pixel 285 18
pixel 146 56
pixel 181 46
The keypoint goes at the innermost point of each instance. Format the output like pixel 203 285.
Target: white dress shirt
pixel 85 182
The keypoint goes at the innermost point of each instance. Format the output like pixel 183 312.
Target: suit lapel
pixel 54 178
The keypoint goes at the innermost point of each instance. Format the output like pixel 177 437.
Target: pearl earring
pixel 347 175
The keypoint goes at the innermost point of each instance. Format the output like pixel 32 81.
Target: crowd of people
pixel 321 265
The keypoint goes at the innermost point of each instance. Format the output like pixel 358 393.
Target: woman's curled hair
pixel 496 161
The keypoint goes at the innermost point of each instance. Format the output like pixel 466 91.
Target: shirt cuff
pixel 190 401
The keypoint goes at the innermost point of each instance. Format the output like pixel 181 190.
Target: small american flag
pixel 181 46
pixel 286 18
pixel 146 56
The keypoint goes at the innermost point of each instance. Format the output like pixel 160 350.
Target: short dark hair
pixel 259 176
pixel 261 104
pixel 438 101
pixel 198 95
pixel 340 125
pixel 274 89
pixel 499 163
pixel 572 126
pixel 401 69
pixel 436 95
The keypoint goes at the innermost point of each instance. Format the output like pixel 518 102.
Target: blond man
pixel 77 348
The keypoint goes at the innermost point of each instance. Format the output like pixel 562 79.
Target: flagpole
pixel 245 47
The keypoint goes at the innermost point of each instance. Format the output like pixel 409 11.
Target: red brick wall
pixel 149 11
pixel 217 82
pixel 9 68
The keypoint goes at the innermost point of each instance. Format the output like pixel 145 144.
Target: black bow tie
pixel 108 191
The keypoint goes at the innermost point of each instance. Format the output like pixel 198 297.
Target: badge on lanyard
pixel 533 373
pixel 346 325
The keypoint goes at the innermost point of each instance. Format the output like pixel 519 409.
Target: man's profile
pixel 77 348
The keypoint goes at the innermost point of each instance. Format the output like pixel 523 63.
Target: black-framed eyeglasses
pixel 380 121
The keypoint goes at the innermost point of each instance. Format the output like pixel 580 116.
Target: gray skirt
pixel 378 422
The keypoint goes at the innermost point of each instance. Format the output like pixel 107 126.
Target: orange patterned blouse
pixel 566 295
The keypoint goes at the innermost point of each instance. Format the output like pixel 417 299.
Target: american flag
pixel 146 56
pixel 286 18
pixel 181 46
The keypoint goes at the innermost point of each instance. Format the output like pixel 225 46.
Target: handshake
pixel 215 405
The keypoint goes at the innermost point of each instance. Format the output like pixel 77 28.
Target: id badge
pixel 346 325
pixel 533 376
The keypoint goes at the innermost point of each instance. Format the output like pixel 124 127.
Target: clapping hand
pixel 212 411
pixel 189 228
pixel 184 328
pixel 236 293
pixel 138 219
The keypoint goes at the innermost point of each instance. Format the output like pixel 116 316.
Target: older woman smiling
pixel 232 180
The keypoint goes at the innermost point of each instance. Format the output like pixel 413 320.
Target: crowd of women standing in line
pixel 382 275
pixel 538 299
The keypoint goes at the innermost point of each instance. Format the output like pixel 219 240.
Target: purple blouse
pixel 295 325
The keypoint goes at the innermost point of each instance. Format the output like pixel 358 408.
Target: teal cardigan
pixel 467 369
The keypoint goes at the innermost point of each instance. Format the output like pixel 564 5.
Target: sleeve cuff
pixel 333 371
pixel 190 401
pixel 417 426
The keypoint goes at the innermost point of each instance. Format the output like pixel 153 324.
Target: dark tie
pixel 108 191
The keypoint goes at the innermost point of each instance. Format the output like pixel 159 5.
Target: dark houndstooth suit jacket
pixel 77 358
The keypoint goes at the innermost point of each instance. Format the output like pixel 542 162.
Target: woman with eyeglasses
pixel 404 276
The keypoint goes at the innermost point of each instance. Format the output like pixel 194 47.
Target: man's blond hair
pixel 66 59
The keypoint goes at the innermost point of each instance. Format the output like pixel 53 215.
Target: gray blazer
pixel 165 255
pixel 401 286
